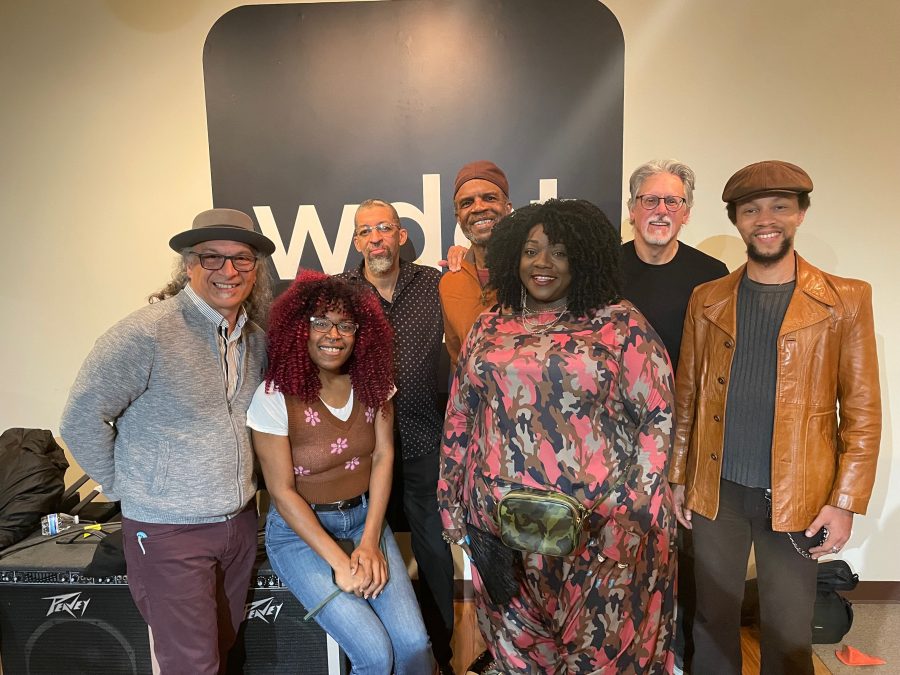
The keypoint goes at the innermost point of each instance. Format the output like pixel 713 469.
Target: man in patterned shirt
pixel 409 297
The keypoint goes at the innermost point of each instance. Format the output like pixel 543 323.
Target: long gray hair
pixel 257 303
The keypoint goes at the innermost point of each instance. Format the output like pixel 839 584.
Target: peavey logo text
pixel 71 604
pixel 264 609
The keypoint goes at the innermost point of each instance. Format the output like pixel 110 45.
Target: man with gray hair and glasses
pixel 409 296
pixel 661 271
pixel 660 275
pixel 157 416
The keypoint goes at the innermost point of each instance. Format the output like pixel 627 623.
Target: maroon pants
pixel 190 583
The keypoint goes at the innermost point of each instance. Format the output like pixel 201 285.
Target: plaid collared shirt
pixel 231 347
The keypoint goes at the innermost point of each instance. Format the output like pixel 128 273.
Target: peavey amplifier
pixel 53 620
pixel 275 639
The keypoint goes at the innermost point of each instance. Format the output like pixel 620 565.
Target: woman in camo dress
pixel 565 386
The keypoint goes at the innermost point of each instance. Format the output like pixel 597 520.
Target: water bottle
pixel 54 523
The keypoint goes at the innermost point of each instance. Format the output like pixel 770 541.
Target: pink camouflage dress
pixel 570 409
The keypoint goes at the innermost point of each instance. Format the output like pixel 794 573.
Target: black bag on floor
pixel 32 467
pixel 833 613
pixel 836 575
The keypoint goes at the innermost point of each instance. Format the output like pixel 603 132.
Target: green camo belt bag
pixel 544 521
pixel 538 521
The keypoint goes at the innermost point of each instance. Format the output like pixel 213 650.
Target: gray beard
pixel 653 241
pixel 478 241
pixel 657 241
pixel 380 264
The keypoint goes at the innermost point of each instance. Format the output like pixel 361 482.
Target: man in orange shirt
pixel 480 200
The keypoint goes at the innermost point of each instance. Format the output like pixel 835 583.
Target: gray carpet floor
pixel 876 631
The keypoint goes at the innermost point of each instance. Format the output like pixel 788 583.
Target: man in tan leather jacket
pixel 778 425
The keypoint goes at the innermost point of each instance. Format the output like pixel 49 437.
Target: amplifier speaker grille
pixel 84 629
pixel 72 629
pixel 275 639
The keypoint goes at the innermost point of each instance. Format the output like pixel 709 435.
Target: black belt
pixel 342 505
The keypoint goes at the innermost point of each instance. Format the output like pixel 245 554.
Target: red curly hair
pixel 291 369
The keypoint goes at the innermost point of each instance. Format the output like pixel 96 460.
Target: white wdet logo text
pixel 308 225
pixel 260 609
pixel 71 604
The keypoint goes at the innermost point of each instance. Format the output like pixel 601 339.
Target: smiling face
pixel 544 267
pixel 659 227
pixel 767 225
pixel 226 289
pixel 330 351
pixel 479 205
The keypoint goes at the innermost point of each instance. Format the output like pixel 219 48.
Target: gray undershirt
pixel 750 412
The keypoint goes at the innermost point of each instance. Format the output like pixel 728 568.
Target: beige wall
pixel 104 157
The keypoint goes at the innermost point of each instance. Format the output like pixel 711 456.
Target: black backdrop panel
pixel 312 107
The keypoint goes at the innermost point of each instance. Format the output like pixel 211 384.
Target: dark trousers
pixel 787 588
pixel 417 482
pixel 190 583
pixel 683 644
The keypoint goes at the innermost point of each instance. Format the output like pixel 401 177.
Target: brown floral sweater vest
pixel 332 458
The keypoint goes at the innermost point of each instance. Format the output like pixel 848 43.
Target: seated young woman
pixel 322 426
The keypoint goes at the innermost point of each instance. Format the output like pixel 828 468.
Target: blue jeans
pixel 380 635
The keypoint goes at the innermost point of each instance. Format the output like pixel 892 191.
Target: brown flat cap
pixel 486 171
pixel 770 176
pixel 226 224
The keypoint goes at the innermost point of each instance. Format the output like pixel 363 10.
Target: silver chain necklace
pixel 533 326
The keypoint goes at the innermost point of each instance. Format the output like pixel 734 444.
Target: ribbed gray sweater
pixel 750 409
pixel 148 416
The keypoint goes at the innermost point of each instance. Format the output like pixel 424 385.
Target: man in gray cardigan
pixel 157 417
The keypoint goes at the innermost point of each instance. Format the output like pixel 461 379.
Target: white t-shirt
pixel 268 412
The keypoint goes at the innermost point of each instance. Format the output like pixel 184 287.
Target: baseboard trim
pixel 874 593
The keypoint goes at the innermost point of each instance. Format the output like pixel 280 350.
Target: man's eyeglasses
pixel 323 325
pixel 216 261
pixel 381 228
pixel 652 201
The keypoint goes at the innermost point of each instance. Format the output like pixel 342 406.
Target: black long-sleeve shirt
pixel 662 292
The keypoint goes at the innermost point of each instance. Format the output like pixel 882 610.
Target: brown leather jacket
pixel 826 357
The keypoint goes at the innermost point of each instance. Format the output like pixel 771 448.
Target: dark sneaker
pixel 482 665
